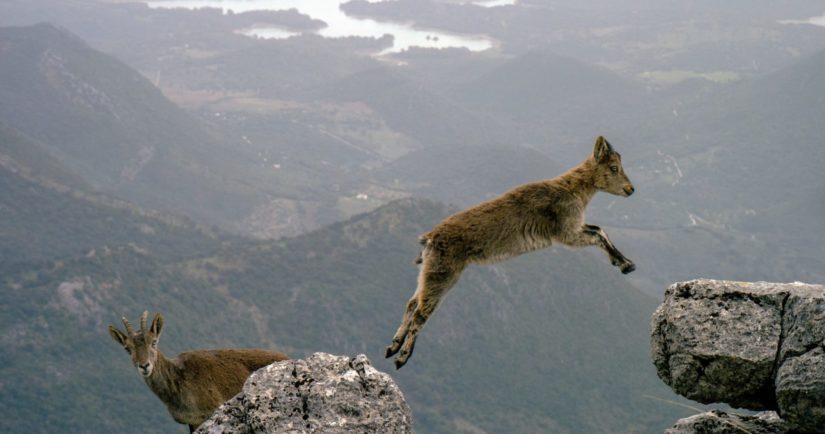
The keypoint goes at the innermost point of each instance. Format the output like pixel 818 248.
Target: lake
pixel 340 24
pixel 817 21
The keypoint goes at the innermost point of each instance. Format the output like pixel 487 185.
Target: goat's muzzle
pixel 145 370
pixel 628 190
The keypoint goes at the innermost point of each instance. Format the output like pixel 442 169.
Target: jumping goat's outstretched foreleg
pixel 594 235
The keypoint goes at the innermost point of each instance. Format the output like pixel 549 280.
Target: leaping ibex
pixel 193 384
pixel 526 218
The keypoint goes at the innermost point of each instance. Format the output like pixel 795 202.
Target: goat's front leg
pixel 616 257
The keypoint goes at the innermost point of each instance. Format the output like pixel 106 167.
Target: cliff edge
pixel 752 345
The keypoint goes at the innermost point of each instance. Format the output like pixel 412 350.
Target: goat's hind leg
pixel 401 333
pixel 432 288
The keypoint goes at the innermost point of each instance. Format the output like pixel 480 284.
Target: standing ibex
pixel 526 218
pixel 195 383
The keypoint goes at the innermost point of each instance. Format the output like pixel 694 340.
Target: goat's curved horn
pixel 143 319
pixel 129 330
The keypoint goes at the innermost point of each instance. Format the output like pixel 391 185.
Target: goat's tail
pixel 424 241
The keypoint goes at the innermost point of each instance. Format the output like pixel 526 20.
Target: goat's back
pixel 252 358
pixel 520 220
pixel 208 378
pixel 227 369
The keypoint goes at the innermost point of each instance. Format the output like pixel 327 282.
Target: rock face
pixel 323 394
pixel 718 422
pixel 752 345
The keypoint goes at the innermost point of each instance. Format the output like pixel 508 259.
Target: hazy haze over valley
pixel 268 165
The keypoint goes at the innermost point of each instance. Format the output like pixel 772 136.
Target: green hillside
pixel 557 99
pixel 553 341
pixel 28 159
pixel 772 146
pixel 48 213
pixel 91 109
pixel 748 159
pixel 60 369
pixel 112 127
pixel 420 112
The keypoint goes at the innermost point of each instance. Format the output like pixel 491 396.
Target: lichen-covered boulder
pixel 716 341
pixel 753 345
pixel 320 394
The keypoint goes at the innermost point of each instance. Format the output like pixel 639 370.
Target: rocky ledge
pixel 719 422
pixel 322 393
pixel 752 345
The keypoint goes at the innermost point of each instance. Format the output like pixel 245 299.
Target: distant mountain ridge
pixel 113 128
pixel 49 213
pixel 539 85
pixel 29 159
pixel 556 101
pixel 760 143
pixel 54 75
pixel 407 106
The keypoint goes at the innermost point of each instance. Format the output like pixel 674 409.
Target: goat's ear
pixel 601 149
pixel 157 325
pixel 117 335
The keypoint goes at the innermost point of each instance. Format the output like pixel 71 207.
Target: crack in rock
pixel 782 332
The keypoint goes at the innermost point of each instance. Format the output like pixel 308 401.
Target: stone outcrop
pixel 719 422
pixel 752 345
pixel 322 393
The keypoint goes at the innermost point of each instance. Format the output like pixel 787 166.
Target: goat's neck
pixel 165 380
pixel 579 181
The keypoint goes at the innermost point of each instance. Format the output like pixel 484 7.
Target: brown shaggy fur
pixel 195 383
pixel 526 218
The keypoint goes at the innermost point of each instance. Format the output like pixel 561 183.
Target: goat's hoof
pixel 628 268
pixel 399 363
pixel 390 352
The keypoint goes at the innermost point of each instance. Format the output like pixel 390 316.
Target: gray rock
pixel 323 393
pixel 716 341
pixel 804 320
pixel 753 345
pixel 719 422
pixel 800 390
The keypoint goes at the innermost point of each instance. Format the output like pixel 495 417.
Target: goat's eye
pixel 154 343
pixel 614 169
